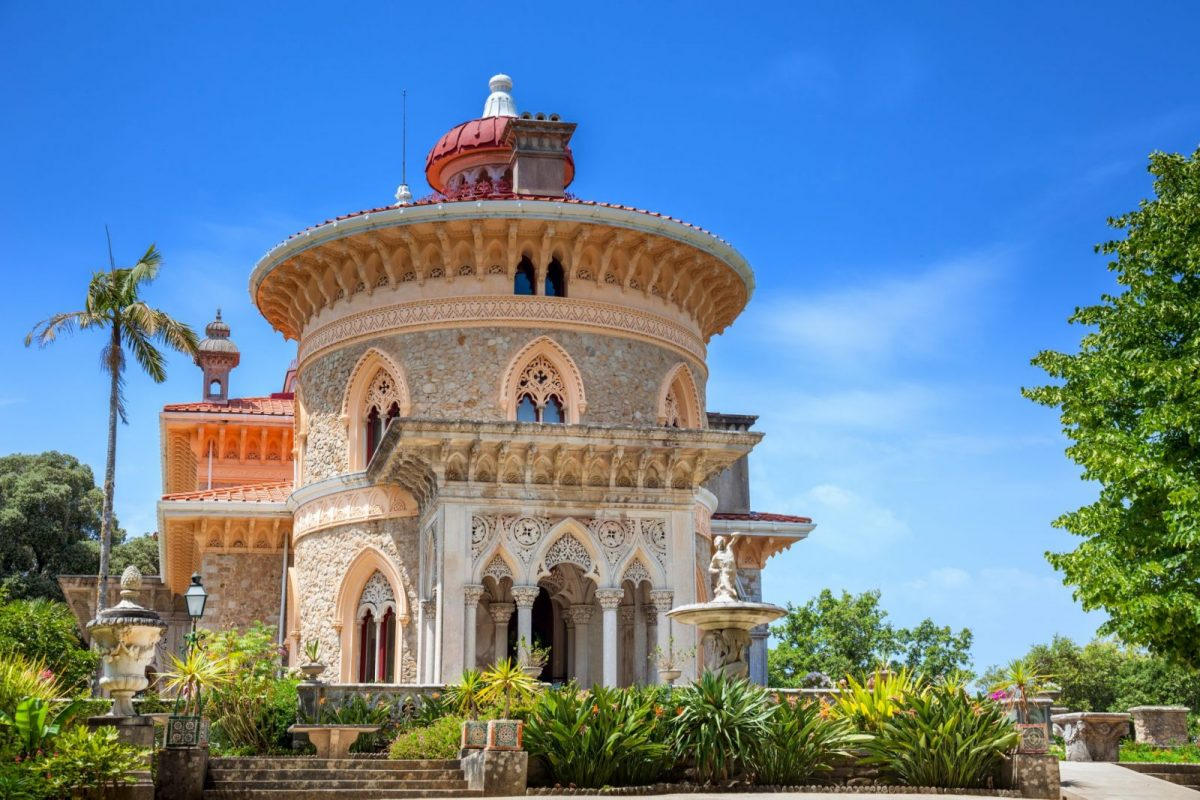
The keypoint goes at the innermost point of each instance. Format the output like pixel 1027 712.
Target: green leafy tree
pixel 1130 403
pixel 113 304
pixel 140 552
pixel 49 514
pixel 851 635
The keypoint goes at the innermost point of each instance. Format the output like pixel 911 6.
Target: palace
pixel 495 430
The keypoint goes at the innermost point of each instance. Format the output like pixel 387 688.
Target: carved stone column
pixel 472 593
pixel 610 600
pixel 428 626
pixel 626 671
pixel 501 614
pixel 663 600
pixel 581 615
pixel 640 654
pixel 524 597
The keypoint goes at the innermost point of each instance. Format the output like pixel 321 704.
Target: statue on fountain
pixel 724 566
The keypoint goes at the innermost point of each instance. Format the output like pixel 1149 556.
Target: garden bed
pixel 692 788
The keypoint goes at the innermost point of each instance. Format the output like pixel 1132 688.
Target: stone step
pixel 1179 779
pixel 311 762
pixel 306 786
pixel 306 774
pixel 1152 766
pixel 332 794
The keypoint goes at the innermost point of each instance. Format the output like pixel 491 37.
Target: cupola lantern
pixel 217 355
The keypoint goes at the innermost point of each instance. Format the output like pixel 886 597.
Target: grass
pixel 1185 754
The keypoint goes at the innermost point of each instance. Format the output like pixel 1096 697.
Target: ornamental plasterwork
pixel 355 505
pixel 497 569
pixel 541 381
pixel 654 534
pixel 614 536
pixel 444 312
pixel 636 573
pixel 568 550
pixel 526 532
pixel 483 528
pixel 377 594
pixel 382 393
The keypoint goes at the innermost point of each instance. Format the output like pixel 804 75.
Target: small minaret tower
pixel 216 356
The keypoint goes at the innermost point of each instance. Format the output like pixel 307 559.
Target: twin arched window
pixel 381 406
pixel 525 279
pixel 541 393
pixel 377 631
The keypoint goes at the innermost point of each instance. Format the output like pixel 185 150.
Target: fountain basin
pixel 723 615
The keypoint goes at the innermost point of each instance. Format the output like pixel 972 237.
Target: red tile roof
pixel 761 516
pixel 276 492
pixel 280 404
pixel 470 138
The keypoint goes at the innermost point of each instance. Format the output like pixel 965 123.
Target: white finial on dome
pixel 500 103
pixel 403 195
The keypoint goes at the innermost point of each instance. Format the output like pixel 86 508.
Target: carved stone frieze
pixel 355 505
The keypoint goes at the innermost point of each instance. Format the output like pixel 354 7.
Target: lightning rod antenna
pixel 403 195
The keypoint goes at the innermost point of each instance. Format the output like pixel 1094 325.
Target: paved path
pixel 791 796
pixel 1098 781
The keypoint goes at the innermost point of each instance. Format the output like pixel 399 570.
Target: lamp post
pixel 195 597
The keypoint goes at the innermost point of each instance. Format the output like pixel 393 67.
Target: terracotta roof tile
pixel 761 516
pixel 276 492
pixel 280 404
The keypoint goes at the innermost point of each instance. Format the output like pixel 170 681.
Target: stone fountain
pixel 726 620
pixel 126 636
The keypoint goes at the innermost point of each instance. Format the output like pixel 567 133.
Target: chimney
pixel 539 159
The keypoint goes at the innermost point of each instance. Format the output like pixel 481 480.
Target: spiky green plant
pixel 21 677
pixel 721 723
pixel 803 741
pixel 942 737
pixel 1019 682
pixel 465 696
pixel 505 681
pixel 872 702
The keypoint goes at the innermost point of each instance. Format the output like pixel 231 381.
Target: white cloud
pixel 848 522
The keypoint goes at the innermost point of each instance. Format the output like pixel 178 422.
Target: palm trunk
pixel 110 470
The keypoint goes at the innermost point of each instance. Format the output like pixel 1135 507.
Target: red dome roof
pixel 473 137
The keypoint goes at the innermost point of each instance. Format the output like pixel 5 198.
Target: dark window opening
pixel 524 280
pixel 526 409
pixel 552 411
pixel 556 280
pixel 366 650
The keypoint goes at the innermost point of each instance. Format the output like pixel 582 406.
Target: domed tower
pixel 500 415
pixel 216 356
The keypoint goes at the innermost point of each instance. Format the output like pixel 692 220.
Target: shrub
pixel 253 708
pixel 943 738
pixel 599 738
pixel 46 630
pixel 21 677
pixel 871 703
pixel 439 740
pixel 721 723
pixel 802 742
pixel 93 760
pixel 23 780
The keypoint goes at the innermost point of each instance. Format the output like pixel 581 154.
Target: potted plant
pixel 531 658
pixel 505 680
pixel 313 667
pixel 669 660
pixel 1018 684
pixel 191 678
pixel 466 697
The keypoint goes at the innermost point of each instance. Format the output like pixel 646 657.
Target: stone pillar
pixel 758 654
pixel 626 669
pixel 640 653
pixel 501 614
pixel 429 618
pixel 610 600
pixel 422 643
pixel 524 597
pixel 569 646
pixel 649 668
pixel 662 600
pixel 581 614
pixel 472 593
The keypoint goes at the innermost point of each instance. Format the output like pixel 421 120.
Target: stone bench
pixel 1092 735
pixel 333 741
pixel 1161 726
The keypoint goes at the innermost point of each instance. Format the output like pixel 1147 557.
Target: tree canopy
pixel 1130 404
pixel 49 514
pixel 850 635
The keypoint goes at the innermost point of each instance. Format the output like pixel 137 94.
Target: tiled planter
pixel 1033 738
pixel 505 734
pixel 474 734
pixel 186 731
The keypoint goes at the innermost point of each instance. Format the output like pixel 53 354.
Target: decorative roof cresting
pixel 500 103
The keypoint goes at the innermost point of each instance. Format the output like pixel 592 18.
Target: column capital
pixel 525 595
pixel 662 599
pixel 501 612
pixel 429 608
pixel 580 613
pixel 610 598
pixel 626 614
pixel 472 593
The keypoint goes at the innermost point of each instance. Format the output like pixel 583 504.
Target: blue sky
pixel 917 186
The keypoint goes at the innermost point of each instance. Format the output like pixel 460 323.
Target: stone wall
pixel 456 374
pixel 242 588
pixel 322 559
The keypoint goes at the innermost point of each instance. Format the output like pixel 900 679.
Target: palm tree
pixel 113 303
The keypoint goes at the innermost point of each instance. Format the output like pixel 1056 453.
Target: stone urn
pixel 126 637
pixel 312 671
pixel 669 676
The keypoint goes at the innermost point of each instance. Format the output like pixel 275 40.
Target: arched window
pixel 525 279
pixel 214 388
pixel 381 407
pixel 376 631
pixel 679 404
pixel 540 393
pixel 556 281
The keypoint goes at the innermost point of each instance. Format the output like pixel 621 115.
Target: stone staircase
pixel 304 778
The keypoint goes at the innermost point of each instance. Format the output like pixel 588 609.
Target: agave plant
pixel 505 681
pixel 803 741
pixel 720 723
pixel 943 738
pixel 191 677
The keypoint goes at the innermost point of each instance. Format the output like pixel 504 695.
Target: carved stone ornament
pixel 482 528
pixel 636 573
pixel 725 652
pixel 655 533
pixel 126 636
pixel 609 599
pixel 524 596
pixel 498 569
pixel 568 550
pixel 528 531
pixel 612 534
pixel 377 594
pixel 541 380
